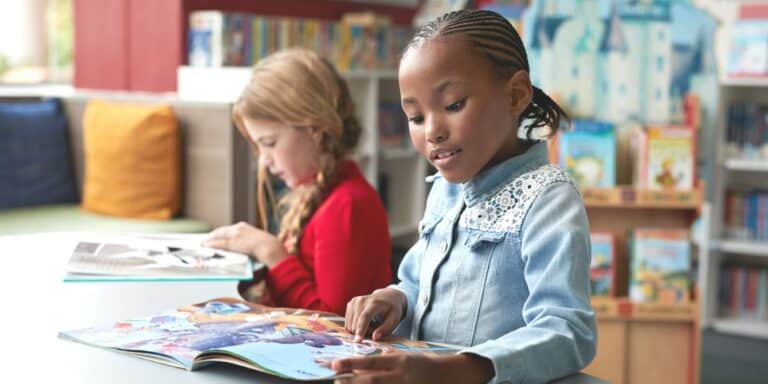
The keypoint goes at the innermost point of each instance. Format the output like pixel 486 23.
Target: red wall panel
pixel 155 47
pixel 101 44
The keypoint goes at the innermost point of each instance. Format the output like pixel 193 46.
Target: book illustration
pixel 670 158
pixel 288 343
pixel 601 269
pixel 588 153
pixel 622 60
pixel 660 266
pixel 136 258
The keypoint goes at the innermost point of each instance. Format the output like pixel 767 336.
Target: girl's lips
pixel 445 158
pixel 436 154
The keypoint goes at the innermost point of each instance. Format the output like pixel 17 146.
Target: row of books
pixel 218 38
pixel 744 292
pixel 746 215
pixel 393 126
pixel 746 132
pixel 663 156
pixel 660 265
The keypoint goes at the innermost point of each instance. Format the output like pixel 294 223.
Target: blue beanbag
pixel 35 163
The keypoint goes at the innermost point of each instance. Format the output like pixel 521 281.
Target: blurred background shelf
pixel 742 327
pixel 758 165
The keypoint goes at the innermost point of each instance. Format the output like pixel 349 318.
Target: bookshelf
pixel 642 342
pixel 720 247
pixel 398 172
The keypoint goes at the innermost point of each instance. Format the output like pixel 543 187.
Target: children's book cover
pixel 670 158
pixel 588 153
pixel 660 265
pixel 289 343
pixel 601 271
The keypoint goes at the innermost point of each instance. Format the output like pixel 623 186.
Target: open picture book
pixel 288 343
pixel 155 258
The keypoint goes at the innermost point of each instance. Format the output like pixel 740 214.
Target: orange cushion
pixel 132 160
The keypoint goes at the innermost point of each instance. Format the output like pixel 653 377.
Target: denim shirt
pixel 501 267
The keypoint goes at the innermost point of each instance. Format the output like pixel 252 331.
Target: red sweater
pixel 344 251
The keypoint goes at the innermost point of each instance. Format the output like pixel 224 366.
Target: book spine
pixel 762 295
pixel 205 39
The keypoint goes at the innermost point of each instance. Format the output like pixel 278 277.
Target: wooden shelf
pixel 745 247
pixel 742 327
pixel 621 308
pixel 745 165
pixel 630 197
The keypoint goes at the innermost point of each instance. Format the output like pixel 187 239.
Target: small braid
pixel 299 205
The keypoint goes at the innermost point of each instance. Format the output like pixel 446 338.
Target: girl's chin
pixel 454 177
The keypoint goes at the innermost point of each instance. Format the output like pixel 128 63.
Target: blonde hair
pixel 298 88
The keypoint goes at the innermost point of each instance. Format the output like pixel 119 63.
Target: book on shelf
pixel 155 258
pixel 205 39
pixel 746 133
pixel 665 157
pixel 588 153
pixel 660 265
pixel 602 268
pixel 746 215
pixel 288 343
pixel 743 292
pixel 393 126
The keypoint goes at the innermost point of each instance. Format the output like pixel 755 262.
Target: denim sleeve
pixel 560 333
pixel 408 274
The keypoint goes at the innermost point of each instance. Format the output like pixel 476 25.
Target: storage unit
pixel 642 342
pixel 717 247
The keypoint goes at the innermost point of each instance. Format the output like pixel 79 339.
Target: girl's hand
pixel 399 367
pixel 245 238
pixel 379 312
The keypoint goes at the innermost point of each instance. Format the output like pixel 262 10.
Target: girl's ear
pixel 520 91
pixel 316 134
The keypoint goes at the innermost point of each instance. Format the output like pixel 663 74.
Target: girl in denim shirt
pixel 502 263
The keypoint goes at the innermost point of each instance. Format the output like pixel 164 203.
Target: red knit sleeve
pixel 351 247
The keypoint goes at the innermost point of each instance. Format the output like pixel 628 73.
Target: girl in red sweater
pixel 333 241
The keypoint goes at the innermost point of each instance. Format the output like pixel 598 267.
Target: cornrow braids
pixel 496 38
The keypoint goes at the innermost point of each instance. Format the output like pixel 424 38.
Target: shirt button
pixel 425 299
pixel 444 246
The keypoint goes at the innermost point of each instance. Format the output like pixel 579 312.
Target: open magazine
pixel 287 343
pixel 155 258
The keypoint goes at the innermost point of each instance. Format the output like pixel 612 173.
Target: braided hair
pixel 496 38
pixel 298 88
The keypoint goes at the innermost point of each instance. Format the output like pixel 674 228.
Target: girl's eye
pixel 416 119
pixel 457 106
pixel 267 144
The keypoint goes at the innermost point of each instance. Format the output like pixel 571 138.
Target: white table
pixel 36 305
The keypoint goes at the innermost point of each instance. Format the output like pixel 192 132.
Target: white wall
pixel 22 31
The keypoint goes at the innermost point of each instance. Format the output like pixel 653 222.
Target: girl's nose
pixel 265 160
pixel 435 131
